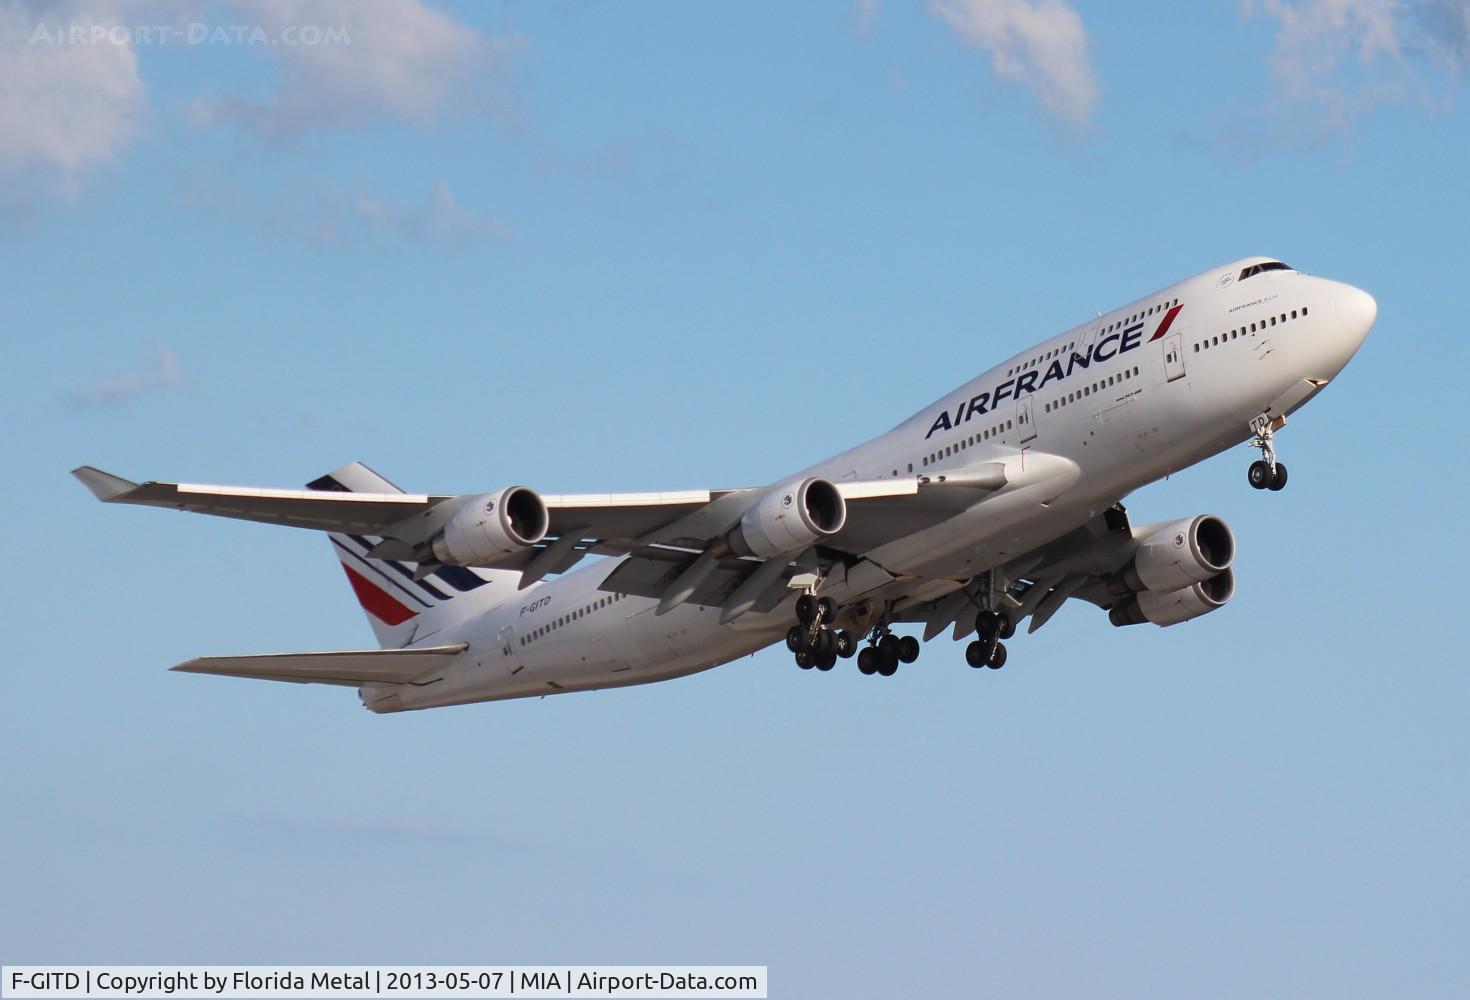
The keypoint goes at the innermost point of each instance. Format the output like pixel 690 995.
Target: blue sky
pixel 587 246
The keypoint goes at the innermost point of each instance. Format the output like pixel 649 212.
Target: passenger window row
pixel 1141 314
pixel 1087 390
pixel 1248 330
pixel 1066 349
pixel 566 619
pixel 969 442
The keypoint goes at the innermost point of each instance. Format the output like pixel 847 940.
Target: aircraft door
pixel 510 650
pixel 1025 421
pixel 1173 358
pixel 1088 338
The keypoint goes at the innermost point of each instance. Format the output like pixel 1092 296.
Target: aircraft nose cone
pixel 1357 310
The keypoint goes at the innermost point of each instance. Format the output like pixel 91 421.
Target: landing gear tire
pixel 888 645
pixel 1268 473
pixel 887 662
pixel 826 661
pixel 997 657
pixel 806 609
pixel 804 659
pixel 991 625
pixel 844 644
pixel 977 653
pixel 908 649
pixel 823 644
pixel 868 660
pixel 795 638
pixel 987 625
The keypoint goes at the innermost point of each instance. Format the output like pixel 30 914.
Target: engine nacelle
pixel 789 518
pixel 492 526
pixel 1175 606
pixel 1179 554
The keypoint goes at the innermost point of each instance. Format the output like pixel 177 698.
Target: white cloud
pixel 1447 23
pixel 1040 43
pixel 116 389
pixel 1316 36
pixel 1334 60
pixel 397 59
pixel 64 107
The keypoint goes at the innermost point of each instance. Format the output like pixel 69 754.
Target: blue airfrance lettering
pixel 1111 346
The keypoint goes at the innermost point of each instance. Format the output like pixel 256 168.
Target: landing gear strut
pixel 991 626
pixel 1266 474
pixel 988 650
pixel 885 651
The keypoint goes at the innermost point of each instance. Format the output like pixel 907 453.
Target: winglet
pixel 104 485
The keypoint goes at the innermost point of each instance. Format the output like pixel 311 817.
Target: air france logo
pixel 1114 344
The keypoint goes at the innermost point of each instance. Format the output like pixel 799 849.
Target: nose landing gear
pixel 1266 474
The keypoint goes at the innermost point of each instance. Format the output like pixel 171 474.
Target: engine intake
pixel 789 518
pixel 1177 554
pixel 488 528
pixel 1175 606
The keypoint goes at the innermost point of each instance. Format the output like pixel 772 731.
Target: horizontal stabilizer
pixel 349 667
pixel 104 485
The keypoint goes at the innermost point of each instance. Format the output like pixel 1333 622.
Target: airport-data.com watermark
pixel 194 33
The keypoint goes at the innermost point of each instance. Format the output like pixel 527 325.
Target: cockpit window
pixel 1270 265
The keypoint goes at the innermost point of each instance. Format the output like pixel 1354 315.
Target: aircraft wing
pixel 350 513
pixel 663 530
pixel 613 523
pixel 615 517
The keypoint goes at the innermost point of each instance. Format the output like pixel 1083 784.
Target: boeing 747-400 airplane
pixel 989 508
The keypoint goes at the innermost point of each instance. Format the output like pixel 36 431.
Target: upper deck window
pixel 1270 265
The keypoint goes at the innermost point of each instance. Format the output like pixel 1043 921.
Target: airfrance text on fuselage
pixel 1106 349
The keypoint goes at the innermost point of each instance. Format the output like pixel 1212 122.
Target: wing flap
pixel 881 511
pixel 345 667
pixel 651 571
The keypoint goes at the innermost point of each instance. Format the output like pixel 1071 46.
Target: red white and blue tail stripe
pixel 400 609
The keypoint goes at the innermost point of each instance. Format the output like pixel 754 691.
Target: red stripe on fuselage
pixel 1164 326
pixel 377 602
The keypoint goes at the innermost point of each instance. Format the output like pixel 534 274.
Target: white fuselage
pixel 1079 420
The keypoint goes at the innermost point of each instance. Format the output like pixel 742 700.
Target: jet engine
pixel 1175 606
pixel 789 518
pixel 1177 554
pixel 489 527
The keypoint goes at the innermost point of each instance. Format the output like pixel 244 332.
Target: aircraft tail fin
pixel 402 605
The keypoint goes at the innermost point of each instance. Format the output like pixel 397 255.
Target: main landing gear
pixel 988 650
pixel 1266 474
pixel 813 640
pixel 816 641
pixel 885 651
